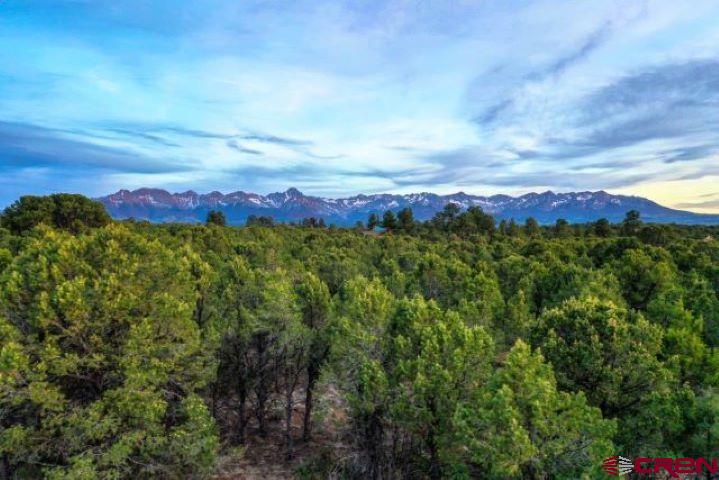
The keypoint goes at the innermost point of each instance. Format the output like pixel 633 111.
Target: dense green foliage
pixel 216 217
pixel 61 210
pixel 454 348
pixel 102 360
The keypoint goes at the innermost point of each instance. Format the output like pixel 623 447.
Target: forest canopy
pixel 454 348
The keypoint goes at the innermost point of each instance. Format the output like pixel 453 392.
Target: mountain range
pixel 159 205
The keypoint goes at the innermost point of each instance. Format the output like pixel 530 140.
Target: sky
pixel 342 97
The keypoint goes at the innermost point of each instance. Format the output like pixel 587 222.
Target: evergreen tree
pixel 372 221
pixel 512 228
pixel 435 363
pixel 521 426
pixel 562 228
pixel 612 355
pixel 405 220
pixel 216 217
pixel 237 298
pixel 531 227
pixel 389 220
pixel 74 213
pixel 259 221
pixel 444 218
pixel 106 361
pixel 502 228
pixel 315 306
pixel 631 223
pixel 602 228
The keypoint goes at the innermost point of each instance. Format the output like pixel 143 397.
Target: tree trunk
pixel 6 468
pixel 261 420
pixel 214 399
pixel 288 420
pixel 262 390
pixel 312 374
pixel 373 443
pixel 435 469
pixel 199 310
pixel 242 400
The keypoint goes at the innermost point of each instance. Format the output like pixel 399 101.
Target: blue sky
pixel 338 98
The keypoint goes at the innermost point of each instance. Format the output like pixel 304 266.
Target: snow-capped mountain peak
pixel 292 205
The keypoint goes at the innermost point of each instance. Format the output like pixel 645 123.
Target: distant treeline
pixel 474 221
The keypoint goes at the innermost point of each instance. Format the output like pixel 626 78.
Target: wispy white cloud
pixel 339 97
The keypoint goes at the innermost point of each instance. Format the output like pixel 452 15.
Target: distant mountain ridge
pixel 159 205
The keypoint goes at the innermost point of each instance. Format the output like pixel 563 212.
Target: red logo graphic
pixel 672 467
pixel 617 465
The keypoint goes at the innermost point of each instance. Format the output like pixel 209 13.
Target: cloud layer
pixel 341 97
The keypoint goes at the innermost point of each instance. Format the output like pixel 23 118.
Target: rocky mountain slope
pixel 292 205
